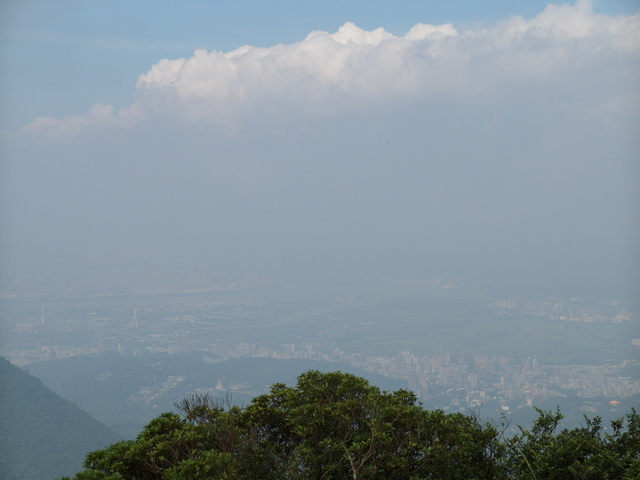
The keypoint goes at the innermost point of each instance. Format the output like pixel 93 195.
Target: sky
pixel 321 140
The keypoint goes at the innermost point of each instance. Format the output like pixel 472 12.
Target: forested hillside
pixel 337 426
pixel 42 436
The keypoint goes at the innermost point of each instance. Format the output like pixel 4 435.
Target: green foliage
pixel 337 426
pixel 579 454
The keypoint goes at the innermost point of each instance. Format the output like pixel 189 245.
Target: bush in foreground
pixel 337 426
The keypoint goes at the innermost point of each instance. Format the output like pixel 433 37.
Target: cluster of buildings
pixel 575 310
pixel 467 380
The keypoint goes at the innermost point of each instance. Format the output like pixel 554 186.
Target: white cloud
pixel 99 115
pixel 323 72
pixel 326 73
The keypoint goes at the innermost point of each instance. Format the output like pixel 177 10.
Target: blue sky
pixel 291 140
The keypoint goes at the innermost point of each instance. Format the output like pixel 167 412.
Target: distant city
pixel 457 353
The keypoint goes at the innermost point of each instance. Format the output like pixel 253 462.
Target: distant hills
pixel 42 436
pixel 127 392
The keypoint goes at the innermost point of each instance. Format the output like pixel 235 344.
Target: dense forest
pixel 338 426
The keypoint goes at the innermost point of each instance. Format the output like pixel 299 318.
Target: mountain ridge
pixel 42 435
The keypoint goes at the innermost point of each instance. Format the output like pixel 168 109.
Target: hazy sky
pixel 300 140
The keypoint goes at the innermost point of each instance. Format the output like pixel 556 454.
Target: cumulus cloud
pixel 331 72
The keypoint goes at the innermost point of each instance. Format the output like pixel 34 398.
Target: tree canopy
pixel 337 426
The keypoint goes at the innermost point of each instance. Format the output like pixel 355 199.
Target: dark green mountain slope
pixel 42 436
